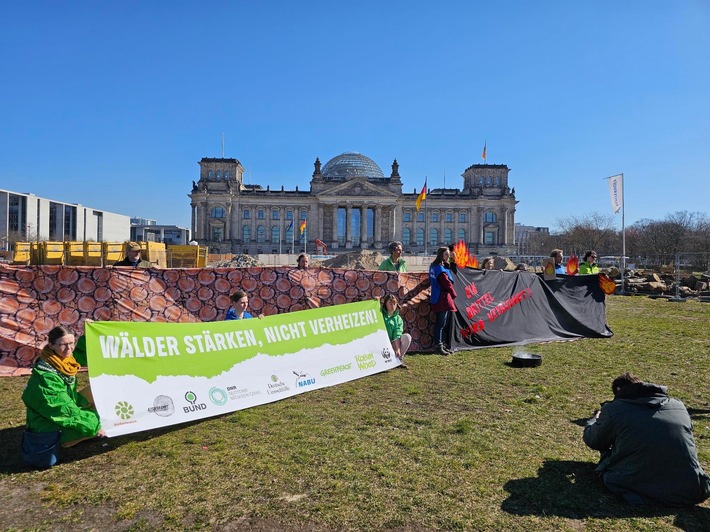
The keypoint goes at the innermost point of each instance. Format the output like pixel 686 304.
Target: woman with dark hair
pixel 54 406
pixel 395 327
pixel 589 264
pixel 442 297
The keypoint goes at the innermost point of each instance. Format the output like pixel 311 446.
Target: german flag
pixel 421 197
pixel 303 226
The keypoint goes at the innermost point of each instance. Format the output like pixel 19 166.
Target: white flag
pixel 616 191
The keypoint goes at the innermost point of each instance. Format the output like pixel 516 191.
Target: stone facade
pixel 350 205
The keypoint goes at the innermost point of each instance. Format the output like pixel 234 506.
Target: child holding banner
pixel 239 311
pixel 395 327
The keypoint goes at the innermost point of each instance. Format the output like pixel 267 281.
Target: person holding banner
pixel 56 412
pixel 557 255
pixel 395 327
pixel 239 311
pixel 589 264
pixel 442 297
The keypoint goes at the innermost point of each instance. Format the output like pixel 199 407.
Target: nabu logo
pixel 303 380
pixel 124 410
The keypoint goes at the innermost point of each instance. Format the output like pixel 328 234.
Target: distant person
pixel 302 261
pixel 56 412
pixel 452 259
pixel 193 242
pixel 395 327
pixel 442 297
pixel 133 257
pixel 557 255
pixel 395 262
pixel 239 310
pixel 522 267
pixel 648 454
pixel 488 263
pixel 589 264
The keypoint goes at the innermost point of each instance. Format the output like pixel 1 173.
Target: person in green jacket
pixel 589 264
pixel 395 262
pixel 52 400
pixel 395 327
pixel 648 454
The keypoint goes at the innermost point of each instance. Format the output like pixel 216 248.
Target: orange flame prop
pixel 607 285
pixel 572 265
pixel 463 257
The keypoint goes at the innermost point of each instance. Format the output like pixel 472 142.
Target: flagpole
pixel 623 236
pixel 293 230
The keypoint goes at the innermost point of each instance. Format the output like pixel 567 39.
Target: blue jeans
pixel 440 326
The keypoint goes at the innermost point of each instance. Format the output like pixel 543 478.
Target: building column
pixel 377 237
pixel 363 227
pixel 348 230
pixel 334 242
pixel 505 226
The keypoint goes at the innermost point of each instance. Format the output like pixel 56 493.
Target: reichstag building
pixel 350 205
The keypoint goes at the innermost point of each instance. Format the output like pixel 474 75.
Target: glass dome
pixel 350 165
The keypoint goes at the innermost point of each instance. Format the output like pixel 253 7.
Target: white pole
pixel 623 235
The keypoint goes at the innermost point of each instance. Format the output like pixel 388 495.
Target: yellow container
pixel 74 253
pixel 35 254
pixel 51 253
pixel 183 256
pixel 154 252
pixel 22 253
pixel 93 254
pixel 112 252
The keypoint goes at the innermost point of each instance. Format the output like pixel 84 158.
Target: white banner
pixel 616 192
pixel 149 375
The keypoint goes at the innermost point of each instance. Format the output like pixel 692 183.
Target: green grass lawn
pixel 465 442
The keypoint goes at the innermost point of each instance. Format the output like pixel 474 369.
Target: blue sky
pixel 112 104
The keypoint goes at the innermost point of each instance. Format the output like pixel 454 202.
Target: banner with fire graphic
pixel 496 308
pixel 149 375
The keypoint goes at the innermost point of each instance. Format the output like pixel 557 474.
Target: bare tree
pixel 591 231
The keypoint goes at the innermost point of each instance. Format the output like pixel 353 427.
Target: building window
pixel 260 214
pixel 434 216
pixel 226 174
pixel 448 236
pixel 260 235
pixel 462 217
pixel 275 234
pixel 355 226
pixel 246 214
pixel 342 216
pixel 420 217
pixel 407 217
pixel 420 237
pixel 449 217
pixel 289 215
pixel 217 212
pixel 274 215
pixel 209 174
pixel 490 238
pixel 304 215
pixel 217 233
pixel 246 234
pixel 462 235
pixel 490 217
pixel 219 175
pixel 406 236
pixel 433 237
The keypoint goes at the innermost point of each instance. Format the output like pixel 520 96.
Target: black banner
pixel 496 308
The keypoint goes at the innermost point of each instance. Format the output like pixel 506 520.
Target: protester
pixel 522 267
pixel 239 310
pixel 452 259
pixel 648 454
pixel 395 327
pixel 557 255
pixel 395 262
pixel 488 263
pixel 133 257
pixel 442 297
pixel 302 261
pixel 56 412
pixel 589 264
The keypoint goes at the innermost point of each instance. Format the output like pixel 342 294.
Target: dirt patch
pixel 356 260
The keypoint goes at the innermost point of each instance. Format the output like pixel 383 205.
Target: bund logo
pixel 194 406
pixel 124 410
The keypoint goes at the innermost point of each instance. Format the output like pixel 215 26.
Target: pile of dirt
pixel 356 260
pixel 238 261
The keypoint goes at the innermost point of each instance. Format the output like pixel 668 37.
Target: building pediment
pixel 357 188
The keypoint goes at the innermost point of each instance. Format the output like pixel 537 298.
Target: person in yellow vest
pixel 589 264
